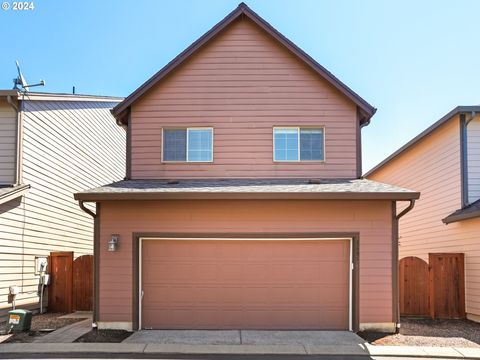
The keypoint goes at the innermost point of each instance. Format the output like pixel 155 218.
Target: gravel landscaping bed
pixel 428 332
pixel 104 336
pixel 39 322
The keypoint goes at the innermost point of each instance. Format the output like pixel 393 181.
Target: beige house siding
pixel 432 166
pixel 8 142
pixel 68 146
pixel 473 158
pixel 243 83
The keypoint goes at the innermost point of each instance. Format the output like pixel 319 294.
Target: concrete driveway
pixel 245 337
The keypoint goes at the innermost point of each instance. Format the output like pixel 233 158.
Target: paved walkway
pixel 67 334
pixel 245 337
pixel 149 350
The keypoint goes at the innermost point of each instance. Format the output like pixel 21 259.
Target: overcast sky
pixel 413 60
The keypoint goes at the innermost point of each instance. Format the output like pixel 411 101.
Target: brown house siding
pixel 371 219
pixel 243 83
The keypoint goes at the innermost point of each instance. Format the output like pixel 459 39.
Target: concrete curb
pixel 151 349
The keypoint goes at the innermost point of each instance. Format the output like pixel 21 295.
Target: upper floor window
pixel 188 144
pixel 298 144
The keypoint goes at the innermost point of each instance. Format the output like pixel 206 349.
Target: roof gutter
pixel 81 203
pixel 406 210
pixel 395 196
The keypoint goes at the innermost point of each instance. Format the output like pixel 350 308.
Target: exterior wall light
pixel 113 243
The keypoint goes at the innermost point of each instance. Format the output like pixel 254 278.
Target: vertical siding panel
pixel 69 146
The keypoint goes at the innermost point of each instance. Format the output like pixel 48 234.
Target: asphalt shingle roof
pixel 246 188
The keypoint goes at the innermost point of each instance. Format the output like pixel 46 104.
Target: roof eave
pixel 107 196
pixel 14 193
pixel 455 218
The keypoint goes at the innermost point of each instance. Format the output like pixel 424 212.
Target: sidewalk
pixel 67 334
pixel 76 349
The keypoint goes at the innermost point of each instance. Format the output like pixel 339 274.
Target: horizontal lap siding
pixel 8 142
pixel 372 219
pixel 433 168
pixel 243 84
pixel 68 147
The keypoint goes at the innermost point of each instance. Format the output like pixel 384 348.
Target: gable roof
pixel 366 110
pixel 425 133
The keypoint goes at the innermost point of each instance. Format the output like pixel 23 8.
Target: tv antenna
pixel 20 80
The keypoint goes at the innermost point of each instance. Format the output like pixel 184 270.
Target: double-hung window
pixel 188 145
pixel 298 144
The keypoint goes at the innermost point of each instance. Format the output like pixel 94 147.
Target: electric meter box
pixel 19 320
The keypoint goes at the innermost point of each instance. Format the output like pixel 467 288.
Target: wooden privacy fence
pixel 436 289
pixel 71 287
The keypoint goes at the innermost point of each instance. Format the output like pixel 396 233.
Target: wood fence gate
pixel 447 286
pixel 60 267
pixel 414 294
pixel 71 287
pixel 83 283
pixel 436 289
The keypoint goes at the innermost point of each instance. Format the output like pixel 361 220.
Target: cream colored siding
pixel 68 146
pixel 8 141
pixel 473 156
pixel 432 167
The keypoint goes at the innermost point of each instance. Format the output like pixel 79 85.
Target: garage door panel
pixel 228 284
pixel 219 296
pixel 209 318
pixel 198 274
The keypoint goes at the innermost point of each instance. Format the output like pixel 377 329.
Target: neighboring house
pixel 443 163
pixel 243 207
pixel 51 146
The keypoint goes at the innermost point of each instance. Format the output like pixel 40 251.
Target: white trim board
pixel 350 280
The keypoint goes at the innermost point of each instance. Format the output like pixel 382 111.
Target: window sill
pixel 186 162
pixel 299 161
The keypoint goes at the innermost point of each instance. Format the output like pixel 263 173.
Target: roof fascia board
pixel 246 195
pixel 454 218
pixel 15 193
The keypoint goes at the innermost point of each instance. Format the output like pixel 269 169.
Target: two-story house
pixel 243 206
pixel 51 146
pixel 443 162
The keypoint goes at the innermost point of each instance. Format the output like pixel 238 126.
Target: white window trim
pixel 186 145
pixel 298 138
